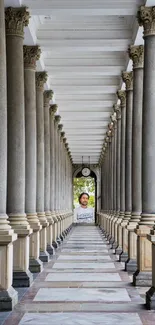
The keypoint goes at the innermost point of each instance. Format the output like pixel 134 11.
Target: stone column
pixel 53 109
pixel 117 109
pixel 143 276
pixel 31 55
pixel 63 181
pixel 122 96
pixel 60 127
pixel 16 19
pixel 136 54
pixel 114 120
pixel 48 94
pixel 57 121
pixel 8 296
pixel 128 80
pixel 41 78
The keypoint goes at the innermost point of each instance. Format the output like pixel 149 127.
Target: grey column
pixel 41 78
pixel 136 53
pixel 31 55
pixel 122 96
pixel 48 94
pixel 57 121
pixel 146 18
pixel 8 295
pixel 117 109
pixel 16 19
pixel 128 80
pixel 53 109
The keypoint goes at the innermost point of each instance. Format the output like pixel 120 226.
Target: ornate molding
pixel 62 135
pixel 57 119
pixel 60 127
pixel 121 94
pixel 53 109
pixel 48 95
pixel 41 78
pixel 146 18
pixel 128 79
pixel 117 109
pixel 136 54
pixel 31 55
pixel 15 20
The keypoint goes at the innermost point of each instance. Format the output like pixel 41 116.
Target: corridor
pixel 83 284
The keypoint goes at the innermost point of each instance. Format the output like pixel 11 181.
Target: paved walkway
pixel 83 284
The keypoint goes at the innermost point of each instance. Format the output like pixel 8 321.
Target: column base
pixel 22 279
pixel 61 237
pixel 59 240
pixel 118 251
pixel 131 265
pixel 8 299
pixel 111 241
pixel 123 257
pixel 150 298
pixel 114 245
pixel 55 244
pixel 35 265
pixel 50 249
pixel 44 257
pixel 142 279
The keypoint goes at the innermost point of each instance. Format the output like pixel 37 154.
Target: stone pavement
pixel 83 284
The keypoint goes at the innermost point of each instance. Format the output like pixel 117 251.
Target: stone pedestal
pixel 16 19
pixel 150 294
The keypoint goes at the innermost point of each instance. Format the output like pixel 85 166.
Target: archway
pixel 78 175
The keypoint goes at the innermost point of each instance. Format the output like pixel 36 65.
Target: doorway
pixel 88 185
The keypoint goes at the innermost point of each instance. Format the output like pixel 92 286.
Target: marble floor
pixel 83 284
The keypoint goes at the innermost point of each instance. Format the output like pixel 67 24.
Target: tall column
pixel 122 96
pixel 48 94
pixel 60 127
pixel 136 53
pixel 117 110
pixel 128 80
pixel 53 109
pixel 143 275
pixel 31 55
pixel 57 121
pixel 16 19
pixel 8 296
pixel 114 120
pixel 41 78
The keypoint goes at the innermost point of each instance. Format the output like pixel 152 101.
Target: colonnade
pixel 128 177
pixel 35 162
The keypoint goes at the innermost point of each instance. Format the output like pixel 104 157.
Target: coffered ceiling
pixel 84 49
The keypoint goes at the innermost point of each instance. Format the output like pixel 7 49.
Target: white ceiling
pixel 84 49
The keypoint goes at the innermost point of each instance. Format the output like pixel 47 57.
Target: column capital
pixel 48 95
pixel 146 18
pixel 53 109
pixel 64 140
pixel 57 119
pixel 62 135
pixel 128 79
pixel 31 55
pixel 136 54
pixel 41 78
pixel 60 127
pixel 15 20
pixel 121 94
pixel 117 109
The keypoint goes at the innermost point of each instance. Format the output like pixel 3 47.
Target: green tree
pixel 84 184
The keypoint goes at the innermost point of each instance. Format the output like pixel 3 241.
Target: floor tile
pixel 83 277
pixel 82 294
pixel 88 265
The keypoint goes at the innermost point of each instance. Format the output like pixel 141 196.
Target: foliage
pixel 84 184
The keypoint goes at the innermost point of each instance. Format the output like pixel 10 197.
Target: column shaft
pixel 16 19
